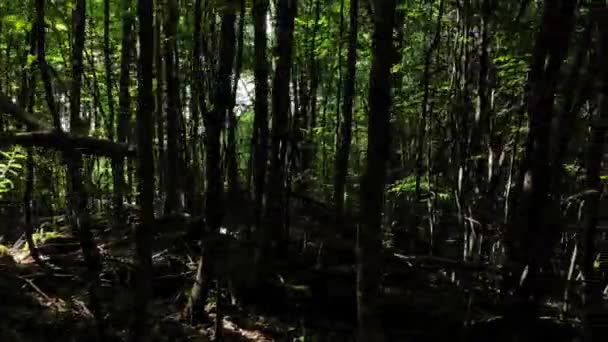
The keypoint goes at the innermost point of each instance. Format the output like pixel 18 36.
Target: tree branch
pixel 8 107
pixel 66 142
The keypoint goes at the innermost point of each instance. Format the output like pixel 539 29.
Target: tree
pixel 145 170
pixel 533 228
pixel 369 239
pixel 344 140
pixel 275 214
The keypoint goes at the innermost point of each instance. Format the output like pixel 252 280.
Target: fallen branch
pixel 66 142
pixel 45 136
pixel 36 288
pixel 440 262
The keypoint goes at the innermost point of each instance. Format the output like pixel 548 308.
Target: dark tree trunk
pixel 27 95
pixel 78 196
pixel 159 104
pixel 260 124
pixel 214 121
pixel 145 169
pixel 280 126
pixel 44 69
pixel 124 103
pixel 344 140
pixel 196 104
pixel 534 227
pixel 232 166
pixel 422 125
pixel 107 51
pixel 369 240
pixel 309 153
pixel 172 202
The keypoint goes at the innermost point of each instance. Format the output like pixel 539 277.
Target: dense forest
pixel 314 170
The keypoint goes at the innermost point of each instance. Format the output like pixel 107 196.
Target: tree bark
pixel 369 239
pixel 145 170
pixel 260 124
pixel 232 165
pixel 107 51
pixel 44 69
pixel 172 202
pixel 194 171
pixel 124 103
pixel 214 121
pixel 78 196
pixel 345 137
pixel 280 128
pixel 534 227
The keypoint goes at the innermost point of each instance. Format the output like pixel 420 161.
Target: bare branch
pixel 66 142
pixel 8 107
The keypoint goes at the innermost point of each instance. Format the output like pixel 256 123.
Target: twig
pixel 36 288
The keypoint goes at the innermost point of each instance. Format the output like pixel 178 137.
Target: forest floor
pixel 422 300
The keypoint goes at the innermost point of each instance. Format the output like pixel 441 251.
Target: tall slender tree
pixel 145 169
pixel 260 124
pixel 345 137
pixel 369 239
pixel 275 214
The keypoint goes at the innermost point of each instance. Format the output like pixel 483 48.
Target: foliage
pixel 10 168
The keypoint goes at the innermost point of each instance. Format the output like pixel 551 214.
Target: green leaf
pixel 61 27
pixel 31 59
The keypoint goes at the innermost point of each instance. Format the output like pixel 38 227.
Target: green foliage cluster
pixel 10 168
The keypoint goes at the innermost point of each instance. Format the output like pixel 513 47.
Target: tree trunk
pixel 44 69
pixel 78 197
pixel 280 126
pixel 124 103
pixel 107 51
pixel 214 121
pixel 344 140
pixel 159 104
pixel 145 169
pixel 534 227
pixel 232 166
pixel 196 100
pixel 369 239
pixel 309 154
pixel 172 202
pixel 260 123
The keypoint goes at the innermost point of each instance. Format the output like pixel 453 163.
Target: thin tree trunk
pixel 369 239
pixel 44 69
pixel 260 124
pixel 145 169
pixel 107 48
pixel 159 110
pixel 309 153
pixel 232 166
pixel 172 183
pixel 77 191
pixel 280 126
pixel 195 109
pixel 214 121
pixel 344 141
pixel 124 103
pixel 422 125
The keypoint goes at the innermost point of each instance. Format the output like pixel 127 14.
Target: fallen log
pixel 43 135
